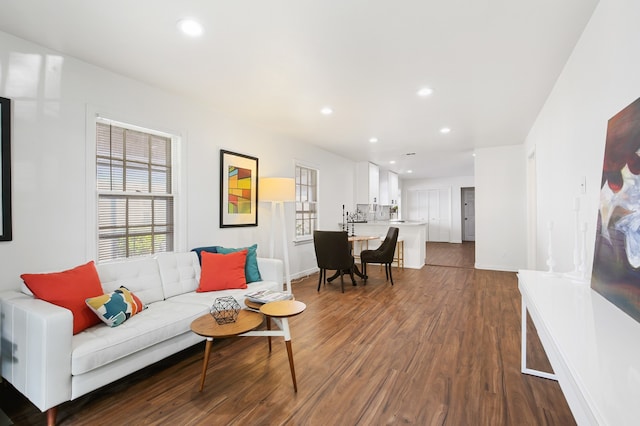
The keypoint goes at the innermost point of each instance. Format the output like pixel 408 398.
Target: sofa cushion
pixel 180 272
pixel 161 321
pixel 205 300
pixel 69 289
pixel 115 308
pixel 141 276
pixel 222 271
pixel 251 271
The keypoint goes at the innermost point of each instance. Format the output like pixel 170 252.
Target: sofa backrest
pixel 140 276
pixel 180 272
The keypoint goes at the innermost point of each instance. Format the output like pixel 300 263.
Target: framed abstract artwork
pixel 238 190
pixel 616 263
pixel 5 169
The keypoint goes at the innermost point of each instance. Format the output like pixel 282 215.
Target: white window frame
pixel 306 237
pixel 178 187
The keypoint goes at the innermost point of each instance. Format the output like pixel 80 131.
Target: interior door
pixel 417 206
pixel 433 200
pixel 432 206
pixel 469 214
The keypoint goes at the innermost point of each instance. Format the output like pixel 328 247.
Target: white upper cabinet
pixel 367 183
pixel 388 188
pixel 394 189
pixel 384 188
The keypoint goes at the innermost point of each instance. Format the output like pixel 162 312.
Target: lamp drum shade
pixel 277 189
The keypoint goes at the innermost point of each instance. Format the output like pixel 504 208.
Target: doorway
pixel 468 204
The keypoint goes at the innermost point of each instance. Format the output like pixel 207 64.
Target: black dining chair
pixel 333 253
pixel 383 254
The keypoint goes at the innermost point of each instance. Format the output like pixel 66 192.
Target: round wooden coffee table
pixel 280 312
pixel 206 326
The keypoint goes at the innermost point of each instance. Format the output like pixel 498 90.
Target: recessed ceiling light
pixel 425 91
pixel 409 171
pixel 326 111
pixel 445 130
pixel 392 162
pixel 373 140
pixel 190 27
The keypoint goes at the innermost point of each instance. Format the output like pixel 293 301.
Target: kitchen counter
pixel 413 233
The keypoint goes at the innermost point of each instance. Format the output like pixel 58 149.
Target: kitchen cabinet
pixel 388 188
pixel 394 190
pixel 367 183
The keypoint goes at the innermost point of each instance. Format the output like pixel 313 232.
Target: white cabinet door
pixel 367 183
pixel 388 188
pixel 432 206
pixel 384 188
pixel 444 214
pixel 374 184
pixel 417 206
pixel 393 188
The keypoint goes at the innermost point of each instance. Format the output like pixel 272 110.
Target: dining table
pixel 363 240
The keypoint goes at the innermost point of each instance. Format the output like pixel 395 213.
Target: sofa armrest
pixel 36 348
pixel 272 270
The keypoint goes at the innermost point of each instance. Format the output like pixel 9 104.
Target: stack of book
pixel 266 296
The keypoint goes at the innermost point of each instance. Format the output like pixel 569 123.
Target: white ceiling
pixel 276 63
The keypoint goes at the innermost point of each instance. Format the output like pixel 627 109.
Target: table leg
pixel 268 320
pixel 207 351
pixel 523 349
pixel 293 370
pixel 287 341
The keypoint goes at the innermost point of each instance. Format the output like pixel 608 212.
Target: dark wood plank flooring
pixel 441 347
pixel 455 255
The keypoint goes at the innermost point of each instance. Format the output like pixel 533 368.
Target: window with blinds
pixel 306 201
pixel 135 199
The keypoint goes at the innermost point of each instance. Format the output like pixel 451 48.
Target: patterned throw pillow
pixel 115 308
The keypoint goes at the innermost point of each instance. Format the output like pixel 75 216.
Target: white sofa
pixel 43 360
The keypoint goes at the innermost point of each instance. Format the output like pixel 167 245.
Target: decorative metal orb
pixel 225 310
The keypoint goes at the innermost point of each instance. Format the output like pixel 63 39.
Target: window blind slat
pixel 131 161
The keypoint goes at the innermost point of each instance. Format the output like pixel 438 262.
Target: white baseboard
pixel 496 268
pixel 304 274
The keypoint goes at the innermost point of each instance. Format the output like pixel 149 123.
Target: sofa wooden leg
pixel 51 416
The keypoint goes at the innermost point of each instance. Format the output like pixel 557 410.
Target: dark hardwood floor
pixel 454 255
pixel 441 347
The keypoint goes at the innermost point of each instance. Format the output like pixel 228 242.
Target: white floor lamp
pixel 278 191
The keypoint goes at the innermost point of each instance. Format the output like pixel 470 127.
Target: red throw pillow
pixel 222 271
pixel 69 289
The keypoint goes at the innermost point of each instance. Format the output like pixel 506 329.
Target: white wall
pixel 599 79
pixel 455 183
pixel 500 208
pixel 51 95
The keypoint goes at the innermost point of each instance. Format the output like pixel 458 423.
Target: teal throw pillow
pixel 251 271
pixel 209 249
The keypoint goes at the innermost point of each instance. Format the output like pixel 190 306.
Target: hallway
pixel 451 254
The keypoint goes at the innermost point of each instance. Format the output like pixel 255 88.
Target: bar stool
pixel 398 256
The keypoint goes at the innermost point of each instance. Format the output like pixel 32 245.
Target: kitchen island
pixel 414 235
